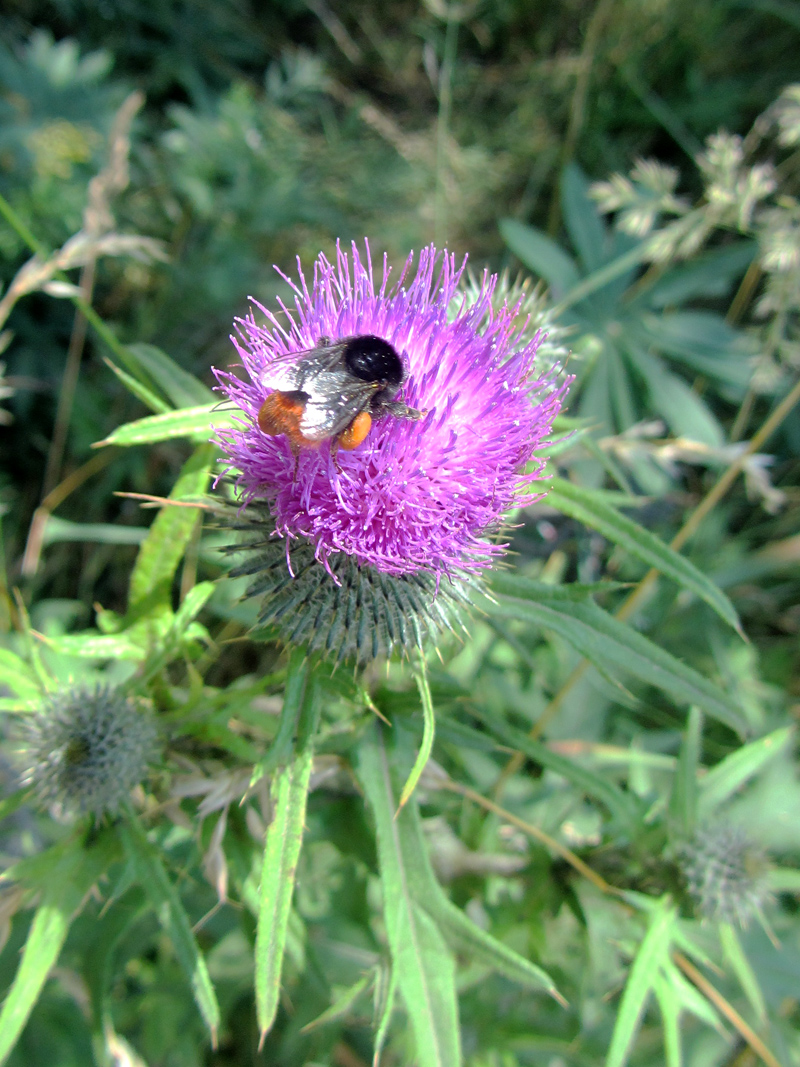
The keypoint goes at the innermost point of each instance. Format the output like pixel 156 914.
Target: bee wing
pixel 294 370
pixel 335 398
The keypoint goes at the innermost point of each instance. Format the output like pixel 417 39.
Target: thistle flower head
pixel 420 499
pixel 87 747
pixel 726 874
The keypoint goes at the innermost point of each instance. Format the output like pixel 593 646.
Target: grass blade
pixel 428 733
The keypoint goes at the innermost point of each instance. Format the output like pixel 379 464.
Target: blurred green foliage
pixel 516 132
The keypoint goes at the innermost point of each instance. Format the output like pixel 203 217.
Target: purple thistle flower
pixel 415 496
pixel 353 545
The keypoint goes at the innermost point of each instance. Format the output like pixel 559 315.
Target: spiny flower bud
pixel 726 874
pixel 87 747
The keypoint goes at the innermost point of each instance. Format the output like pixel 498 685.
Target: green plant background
pixel 531 912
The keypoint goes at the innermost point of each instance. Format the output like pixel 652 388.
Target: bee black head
pixel 372 359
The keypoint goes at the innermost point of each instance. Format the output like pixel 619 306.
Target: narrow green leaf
pixel 385 989
pixel 784 880
pixel 182 388
pixel 683 799
pixel 541 255
pixel 468 937
pixel 710 274
pixel 294 695
pixel 281 852
pixel 18 676
pixel 428 732
pixel 342 1005
pixel 163 548
pixel 589 507
pixel 170 911
pixel 670 1015
pixel 140 391
pixel 735 955
pixel 606 642
pixel 652 955
pixel 187 422
pixel 63 891
pixel 104 533
pixel 732 772
pixel 692 1000
pixel 581 218
pixel 622 806
pixel 424 967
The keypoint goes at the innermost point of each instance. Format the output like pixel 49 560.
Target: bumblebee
pixel 333 392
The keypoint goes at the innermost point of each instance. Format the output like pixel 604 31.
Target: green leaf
pixel 541 255
pixel 670 1013
pixel 703 341
pixel 343 1003
pixel 91 645
pixel 734 954
pixel 140 391
pixel 199 422
pixel 608 643
pixel 104 533
pixel 182 388
pixel 428 732
pixel 732 772
pixel 281 853
pixel 169 909
pixel 163 548
pixel 686 413
pixel 385 989
pixel 683 799
pixel 652 955
pixel 581 219
pixel 622 806
pixel 64 888
pixel 711 274
pixel 18 676
pixel 590 508
pixel 422 962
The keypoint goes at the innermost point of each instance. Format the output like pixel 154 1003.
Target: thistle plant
pixel 366 551
pixel 87 747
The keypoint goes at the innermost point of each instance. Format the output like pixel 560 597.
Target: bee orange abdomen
pixel 280 414
pixel 354 434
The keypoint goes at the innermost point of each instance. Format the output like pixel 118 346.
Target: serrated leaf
pixel 281 853
pixel 63 891
pixel 197 422
pixel 653 954
pixel 172 916
pixel 734 770
pixel 592 509
pixel 182 388
pixel 606 642
pixel 541 255
pixel 421 961
pixel 163 548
